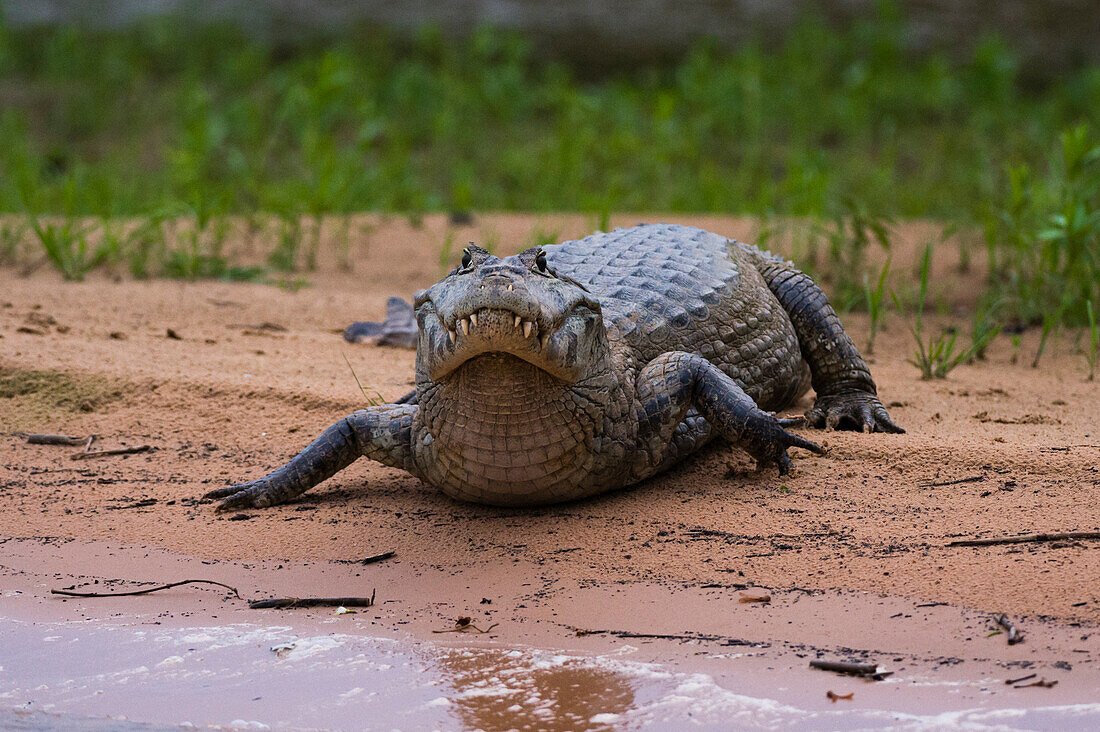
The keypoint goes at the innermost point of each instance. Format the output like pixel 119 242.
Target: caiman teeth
pixel 528 326
pixel 517 322
pixel 545 339
pixel 465 325
pixel 473 319
pixel 452 336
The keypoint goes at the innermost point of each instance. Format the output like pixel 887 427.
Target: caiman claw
pixel 769 445
pixel 852 410
pixel 253 494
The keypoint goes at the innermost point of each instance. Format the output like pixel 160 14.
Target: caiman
pixel 569 370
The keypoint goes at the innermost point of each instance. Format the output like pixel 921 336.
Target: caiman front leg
pixel 846 393
pixel 380 433
pixel 677 385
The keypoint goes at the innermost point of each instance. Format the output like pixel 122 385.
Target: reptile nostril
pixel 496 280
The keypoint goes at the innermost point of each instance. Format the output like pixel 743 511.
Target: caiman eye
pixel 540 261
pixel 466 258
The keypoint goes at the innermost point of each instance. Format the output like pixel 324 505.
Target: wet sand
pixel 851 546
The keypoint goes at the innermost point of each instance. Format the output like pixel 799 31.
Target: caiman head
pixel 517 306
pixel 513 378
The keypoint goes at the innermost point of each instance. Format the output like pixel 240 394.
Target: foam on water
pixel 231 677
pixel 654 697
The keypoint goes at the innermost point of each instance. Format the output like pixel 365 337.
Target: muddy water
pixel 99 674
pixel 199 657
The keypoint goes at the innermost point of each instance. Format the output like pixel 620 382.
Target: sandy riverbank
pixel 844 544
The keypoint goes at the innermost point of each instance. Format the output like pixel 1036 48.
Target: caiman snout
pixel 514 306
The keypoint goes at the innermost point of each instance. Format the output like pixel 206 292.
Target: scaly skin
pixel 570 370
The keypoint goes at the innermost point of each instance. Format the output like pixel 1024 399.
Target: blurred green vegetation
pixel 1043 234
pixel 168 113
pixel 168 119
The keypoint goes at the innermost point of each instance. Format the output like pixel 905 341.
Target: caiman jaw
pixel 497 330
pixel 495 318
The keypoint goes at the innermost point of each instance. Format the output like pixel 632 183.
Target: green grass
pixel 829 134
pixel 984 326
pixel 1094 340
pixel 167 113
pixel 542 238
pixel 11 234
pixel 284 257
pixel 938 357
pixel 875 300
pixel 833 250
pixel 1043 235
pixel 65 244
pixel 371 395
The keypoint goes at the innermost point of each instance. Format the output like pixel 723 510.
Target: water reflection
pixel 513 690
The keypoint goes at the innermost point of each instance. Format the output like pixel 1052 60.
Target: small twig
pixel 56 440
pixel 1028 538
pixel 833 696
pixel 971 479
pixel 461 627
pixel 284 602
pixel 706 637
pixel 650 636
pixel 1014 635
pixel 114 451
pixel 143 503
pixel 1010 682
pixel 867 670
pixel 377 558
pixel 88 444
pixel 71 593
pixel 1043 683
pixel 663 636
pixel 266 326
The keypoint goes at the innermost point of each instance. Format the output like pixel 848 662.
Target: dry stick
pixel 88 444
pixel 971 479
pixel 377 558
pixel 1014 635
pixel 115 451
pixel 1010 682
pixel 669 636
pixel 143 503
pixel 1027 538
pixel 55 440
pixel 283 602
pixel 467 627
pixel 663 636
pixel 647 636
pixel 869 670
pixel 71 593
pixel 254 604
